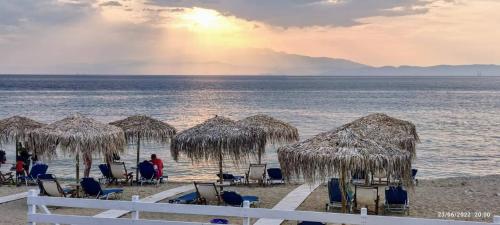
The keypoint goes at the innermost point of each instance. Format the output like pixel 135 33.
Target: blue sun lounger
pixel 188 198
pixel 311 223
pixel 396 200
pixel 234 199
pixel 36 170
pixel 92 188
pixel 274 176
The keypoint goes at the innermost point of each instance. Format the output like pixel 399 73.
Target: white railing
pixel 135 207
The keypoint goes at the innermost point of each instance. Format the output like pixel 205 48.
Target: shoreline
pixel 432 198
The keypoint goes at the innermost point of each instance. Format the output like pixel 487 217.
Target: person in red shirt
pixel 158 165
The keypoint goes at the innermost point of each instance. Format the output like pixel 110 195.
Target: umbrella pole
pixel 15 159
pixel 77 159
pixel 260 156
pixel 221 178
pixel 342 189
pixel 137 161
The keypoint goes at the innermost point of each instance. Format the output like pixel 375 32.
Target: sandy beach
pixel 430 197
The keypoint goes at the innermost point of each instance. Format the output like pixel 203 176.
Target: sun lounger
pixel 207 193
pixel 232 179
pixel 380 178
pixel 396 200
pixel 414 176
pixel 119 172
pixel 36 170
pixel 6 178
pixel 92 188
pixel 49 186
pixel 335 196
pixel 256 172
pixel 147 171
pixel 188 198
pixel 274 176
pixel 106 174
pixel 310 223
pixel 234 199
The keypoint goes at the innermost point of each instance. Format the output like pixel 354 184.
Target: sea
pixel 457 118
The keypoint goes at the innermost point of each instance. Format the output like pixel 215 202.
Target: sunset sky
pixel 241 36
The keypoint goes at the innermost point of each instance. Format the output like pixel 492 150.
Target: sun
pixel 206 19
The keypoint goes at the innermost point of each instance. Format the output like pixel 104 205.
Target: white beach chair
pixel 119 172
pixel 256 172
pixel 49 186
pixel 380 177
pixel 207 193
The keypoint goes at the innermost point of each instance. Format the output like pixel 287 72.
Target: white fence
pixel 36 202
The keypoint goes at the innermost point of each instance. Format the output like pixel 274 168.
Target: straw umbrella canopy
pixel 78 135
pixel 373 143
pixel 276 131
pixel 16 128
pixel 217 138
pixel 141 127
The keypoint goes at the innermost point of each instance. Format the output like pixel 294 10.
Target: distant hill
pixel 439 70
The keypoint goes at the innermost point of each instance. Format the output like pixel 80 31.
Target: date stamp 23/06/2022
pixel 464 214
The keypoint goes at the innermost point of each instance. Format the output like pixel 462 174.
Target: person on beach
pixel 87 162
pixel 158 165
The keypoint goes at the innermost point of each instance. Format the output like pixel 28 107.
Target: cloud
pixel 111 3
pixel 301 13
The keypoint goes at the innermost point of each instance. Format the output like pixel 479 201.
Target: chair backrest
pixel 380 174
pixel 207 191
pixel 310 223
pixel 147 170
pixel 256 171
pixel 90 186
pixel 275 173
pixel 334 190
pixel 396 195
pixel 52 188
pixel 38 169
pixel 414 173
pixel 118 170
pixel 359 175
pixel 105 170
pixel 226 176
pixel 232 198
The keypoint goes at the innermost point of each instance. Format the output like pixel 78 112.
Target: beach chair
pixel 49 186
pixel 380 177
pixel 414 176
pixel 396 200
pixel 188 198
pixel 36 170
pixel 234 199
pixel 358 177
pixel 335 196
pixel 232 179
pixel 6 178
pixel 119 172
pixel 256 172
pixel 106 174
pixel 147 171
pixel 92 188
pixel 274 176
pixel 207 193
pixel 310 223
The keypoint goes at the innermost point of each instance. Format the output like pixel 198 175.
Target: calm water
pixel 458 118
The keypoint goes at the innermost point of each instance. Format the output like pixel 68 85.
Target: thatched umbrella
pixel 78 135
pixel 276 131
pixel 16 129
pixel 373 143
pixel 146 128
pixel 217 138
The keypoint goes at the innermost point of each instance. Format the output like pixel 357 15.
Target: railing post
pixel 135 214
pixel 246 220
pixel 496 219
pixel 31 207
pixel 364 216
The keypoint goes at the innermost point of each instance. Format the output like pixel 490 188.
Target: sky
pixel 241 36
